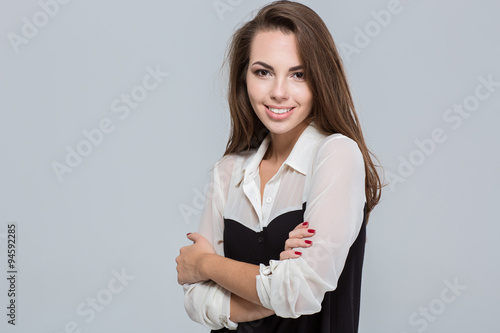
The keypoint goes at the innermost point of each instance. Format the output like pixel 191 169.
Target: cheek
pixel 303 95
pixel 309 98
pixel 255 90
pixel 249 83
pixel 252 94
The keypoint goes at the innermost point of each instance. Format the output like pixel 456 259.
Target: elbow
pixel 199 309
pixel 200 316
pixel 208 304
pixel 293 292
pixel 306 303
pixel 190 305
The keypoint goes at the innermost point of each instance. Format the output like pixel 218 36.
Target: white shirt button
pixel 269 199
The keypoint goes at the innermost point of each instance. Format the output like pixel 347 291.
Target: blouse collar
pixel 299 158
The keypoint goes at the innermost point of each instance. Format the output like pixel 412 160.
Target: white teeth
pixel 279 111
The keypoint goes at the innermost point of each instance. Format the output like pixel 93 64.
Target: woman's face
pixel 277 88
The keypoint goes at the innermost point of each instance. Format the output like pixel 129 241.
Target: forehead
pixel 274 46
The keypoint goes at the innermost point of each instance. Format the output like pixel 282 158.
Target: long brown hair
pixel 333 109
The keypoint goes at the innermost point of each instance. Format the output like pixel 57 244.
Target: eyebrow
pixel 263 64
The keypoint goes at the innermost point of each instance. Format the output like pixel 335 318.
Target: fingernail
pixel 308 242
pixel 298 253
pixel 311 231
pixel 188 234
pixel 305 224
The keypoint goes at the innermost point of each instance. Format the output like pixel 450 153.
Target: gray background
pixel 120 208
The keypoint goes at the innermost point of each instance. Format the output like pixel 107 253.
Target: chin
pixel 280 128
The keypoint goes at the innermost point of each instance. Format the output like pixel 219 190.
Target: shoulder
pixel 339 146
pixel 226 164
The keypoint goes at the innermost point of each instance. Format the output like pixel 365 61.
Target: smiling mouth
pixel 279 110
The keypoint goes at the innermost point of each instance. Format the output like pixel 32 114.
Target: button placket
pixel 260 239
pixel 269 193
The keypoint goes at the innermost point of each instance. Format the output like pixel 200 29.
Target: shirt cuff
pixel 226 311
pixel 209 304
pixel 290 288
pixel 263 281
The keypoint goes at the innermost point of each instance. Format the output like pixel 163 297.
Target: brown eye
pixel 261 72
pixel 299 75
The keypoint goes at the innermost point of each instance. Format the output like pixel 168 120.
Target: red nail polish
pixel 188 233
pixel 308 242
pixel 305 224
pixel 311 231
pixel 298 253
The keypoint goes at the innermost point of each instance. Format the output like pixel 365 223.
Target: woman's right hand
pixel 296 239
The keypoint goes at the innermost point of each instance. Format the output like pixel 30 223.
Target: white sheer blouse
pixel 326 172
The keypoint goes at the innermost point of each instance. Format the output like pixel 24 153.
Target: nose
pixel 279 90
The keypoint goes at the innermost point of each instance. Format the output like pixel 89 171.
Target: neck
pixel 282 144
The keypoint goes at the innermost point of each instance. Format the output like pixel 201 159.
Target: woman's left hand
pixel 190 259
pixel 296 240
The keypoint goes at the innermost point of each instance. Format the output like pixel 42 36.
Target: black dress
pixel 340 307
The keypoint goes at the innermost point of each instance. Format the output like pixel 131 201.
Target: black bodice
pixel 340 307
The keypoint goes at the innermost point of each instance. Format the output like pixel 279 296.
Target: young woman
pixel 281 239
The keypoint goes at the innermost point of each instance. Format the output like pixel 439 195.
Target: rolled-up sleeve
pixel 206 302
pixel 335 207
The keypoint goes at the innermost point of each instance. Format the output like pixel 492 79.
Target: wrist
pixel 206 264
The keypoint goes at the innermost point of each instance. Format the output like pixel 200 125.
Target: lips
pixel 279 113
pixel 279 110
